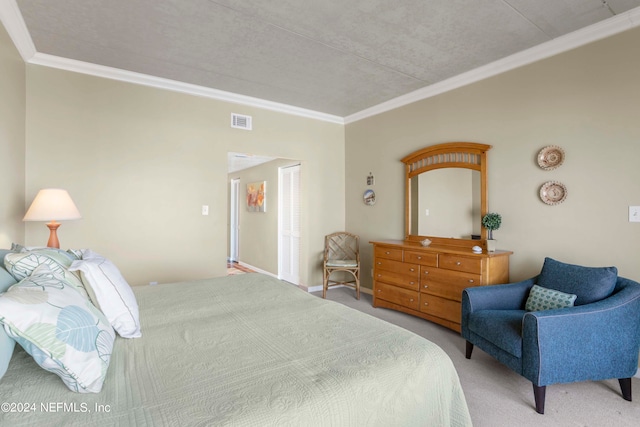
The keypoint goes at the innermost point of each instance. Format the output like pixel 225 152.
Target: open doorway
pixel 266 240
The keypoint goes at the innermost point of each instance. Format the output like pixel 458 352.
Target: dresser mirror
pixel 446 193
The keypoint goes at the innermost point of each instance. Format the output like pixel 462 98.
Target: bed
pixel 248 350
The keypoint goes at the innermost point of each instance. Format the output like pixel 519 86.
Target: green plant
pixel 491 221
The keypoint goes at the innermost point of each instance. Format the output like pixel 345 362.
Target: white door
pixel 289 224
pixel 233 220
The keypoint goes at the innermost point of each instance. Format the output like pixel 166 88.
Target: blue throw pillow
pixel 590 284
pixel 7 343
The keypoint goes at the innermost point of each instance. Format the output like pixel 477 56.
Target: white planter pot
pixel 491 245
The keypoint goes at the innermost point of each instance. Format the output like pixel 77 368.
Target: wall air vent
pixel 239 121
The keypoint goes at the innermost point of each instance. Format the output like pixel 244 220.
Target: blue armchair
pixel 596 339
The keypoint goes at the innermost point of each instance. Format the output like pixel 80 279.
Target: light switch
pixel 426 212
pixel 205 210
pixel 634 213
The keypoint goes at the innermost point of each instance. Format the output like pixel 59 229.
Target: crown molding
pixel 14 23
pixel 175 86
pixel 16 28
pixel 609 27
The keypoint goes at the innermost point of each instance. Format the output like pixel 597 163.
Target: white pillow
pixel 61 329
pixel 113 295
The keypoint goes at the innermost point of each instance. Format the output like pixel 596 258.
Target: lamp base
pixel 53 235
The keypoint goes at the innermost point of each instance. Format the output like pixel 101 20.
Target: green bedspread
pixel 250 350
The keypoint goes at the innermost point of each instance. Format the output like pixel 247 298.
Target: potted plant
pixel 491 221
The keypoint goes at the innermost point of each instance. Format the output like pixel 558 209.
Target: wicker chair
pixel 341 256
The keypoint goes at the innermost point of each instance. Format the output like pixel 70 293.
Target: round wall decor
pixel 369 197
pixel 550 157
pixel 553 192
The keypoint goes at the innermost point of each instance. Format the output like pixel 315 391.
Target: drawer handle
pixel 458 263
pixel 379 290
pixel 379 275
pixel 387 253
pixel 426 286
pixel 379 263
pixel 426 303
pixel 426 272
pixel 411 300
pixel 411 269
pixel 411 283
pixel 470 280
pixel 419 257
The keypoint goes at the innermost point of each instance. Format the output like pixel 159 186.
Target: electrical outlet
pixel 205 210
pixel 634 213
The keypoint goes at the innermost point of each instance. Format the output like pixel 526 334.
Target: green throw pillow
pixel 548 299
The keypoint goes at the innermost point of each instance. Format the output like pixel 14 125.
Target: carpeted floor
pixel 497 396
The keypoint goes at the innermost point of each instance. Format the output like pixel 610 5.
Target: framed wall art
pixel 256 196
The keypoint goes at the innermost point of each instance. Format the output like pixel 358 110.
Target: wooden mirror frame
pixel 466 155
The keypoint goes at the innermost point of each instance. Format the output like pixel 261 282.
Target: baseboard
pixel 319 289
pixel 309 289
pixel 256 269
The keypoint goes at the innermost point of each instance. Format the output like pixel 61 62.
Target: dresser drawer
pixel 460 263
pixel 388 253
pixel 399 279
pixel 441 307
pixel 457 278
pixel 400 296
pixel 422 258
pixel 410 270
pixel 451 291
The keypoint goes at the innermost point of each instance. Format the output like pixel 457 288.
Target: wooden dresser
pixel 428 281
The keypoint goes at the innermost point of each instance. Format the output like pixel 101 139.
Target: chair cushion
pixel 342 263
pixel 547 299
pixel 589 284
pixel 503 328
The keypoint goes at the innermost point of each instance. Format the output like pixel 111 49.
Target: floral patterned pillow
pixel 61 329
pixel 22 264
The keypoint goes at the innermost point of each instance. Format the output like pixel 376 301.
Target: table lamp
pixel 52 204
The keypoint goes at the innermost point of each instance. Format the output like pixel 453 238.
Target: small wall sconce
pixel 370 179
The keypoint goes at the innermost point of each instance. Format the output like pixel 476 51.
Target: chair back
pixel 341 246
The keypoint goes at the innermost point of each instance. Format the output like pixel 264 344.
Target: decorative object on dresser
pixel 491 221
pixel 341 257
pixel 427 281
pixel 52 204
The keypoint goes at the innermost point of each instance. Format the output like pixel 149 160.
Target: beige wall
pixel 140 162
pixel 585 100
pixel 12 141
pixel 258 235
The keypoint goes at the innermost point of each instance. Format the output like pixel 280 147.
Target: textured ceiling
pixel 337 57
